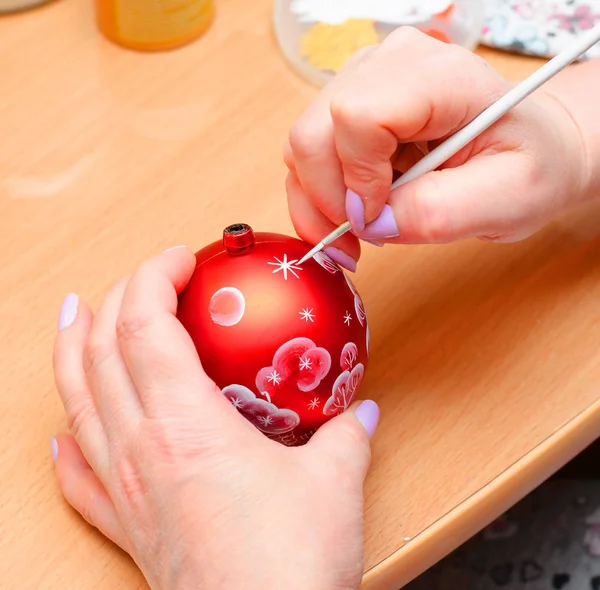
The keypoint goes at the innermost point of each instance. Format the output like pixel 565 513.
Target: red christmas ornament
pixel 287 344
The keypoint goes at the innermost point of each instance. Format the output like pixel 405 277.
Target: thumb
pixel 346 438
pixel 482 198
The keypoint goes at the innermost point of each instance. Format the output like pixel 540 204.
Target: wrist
pixel 574 90
pixel 243 566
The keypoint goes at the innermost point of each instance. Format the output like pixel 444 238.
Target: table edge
pixel 478 510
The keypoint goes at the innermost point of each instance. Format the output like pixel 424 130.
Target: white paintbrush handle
pixel 478 125
pixel 495 112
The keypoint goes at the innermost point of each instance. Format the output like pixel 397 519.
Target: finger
pixel 111 384
pixel 346 439
pixel 75 394
pixel 312 226
pixel 402 94
pixel 288 158
pixel 316 162
pixel 159 353
pixel 312 153
pixel 84 491
pixel 463 202
pixel 365 151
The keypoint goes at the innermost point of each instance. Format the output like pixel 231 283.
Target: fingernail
pixel 382 227
pixel 54 448
pixel 174 248
pixel 341 258
pixel 368 415
pixel 68 311
pixel 355 210
pixel 374 242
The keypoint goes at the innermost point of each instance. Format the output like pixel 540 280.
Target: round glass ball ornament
pixel 287 344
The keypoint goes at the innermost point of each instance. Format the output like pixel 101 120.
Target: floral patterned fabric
pixel 539 27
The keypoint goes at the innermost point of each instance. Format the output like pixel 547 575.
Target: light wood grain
pixel 485 357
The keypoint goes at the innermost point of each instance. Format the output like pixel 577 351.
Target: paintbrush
pixel 482 122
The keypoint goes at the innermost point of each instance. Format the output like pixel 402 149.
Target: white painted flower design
pixel 344 391
pixel 266 416
pixel 326 262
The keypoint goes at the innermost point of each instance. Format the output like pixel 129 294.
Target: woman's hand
pixel 394 102
pixel 161 462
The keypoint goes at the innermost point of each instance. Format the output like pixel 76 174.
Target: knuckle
pixel 304 140
pixel 367 175
pixel 131 485
pixel 288 157
pixel 173 440
pixel 78 417
pixel 96 351
pixel 534 171
pixel 89 508
pixel 458 55
pixel 454 59
pixel 170 445
pixel 351 436
pixel 356 433
pixel 473 73
pixel 132 326
pixel 161 441
pixel 345 109
pixel 359 57
pixel 405 35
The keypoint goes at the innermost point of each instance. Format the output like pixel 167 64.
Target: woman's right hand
pixel 391 104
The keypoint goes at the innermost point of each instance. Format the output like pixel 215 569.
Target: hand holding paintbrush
pixel 361 130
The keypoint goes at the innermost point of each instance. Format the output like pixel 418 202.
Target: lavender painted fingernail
pixel 54 448
pixel 341 258
pixel 368 415
pixel 374 242
pixel 355 210
pixel 383 227
pixel 68 311
pixel 174 248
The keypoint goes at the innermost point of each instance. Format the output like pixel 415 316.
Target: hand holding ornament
pixel 162 463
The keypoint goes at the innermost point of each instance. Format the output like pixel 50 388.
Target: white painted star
pixel 314 403
pixel 305 364
pixel 347 318
pixel 307 315
pixel 285 265
pixel 237 402
pixel 274 377
pixel 265 420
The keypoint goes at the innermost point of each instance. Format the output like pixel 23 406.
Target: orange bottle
pixel 150 25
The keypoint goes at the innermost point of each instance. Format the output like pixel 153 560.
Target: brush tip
pixel 310 254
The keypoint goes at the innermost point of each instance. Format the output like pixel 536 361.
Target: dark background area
pixel 549 540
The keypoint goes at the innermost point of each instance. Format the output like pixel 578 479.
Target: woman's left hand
pixel 163 464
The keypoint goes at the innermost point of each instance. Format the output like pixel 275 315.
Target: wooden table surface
pixel 485 358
